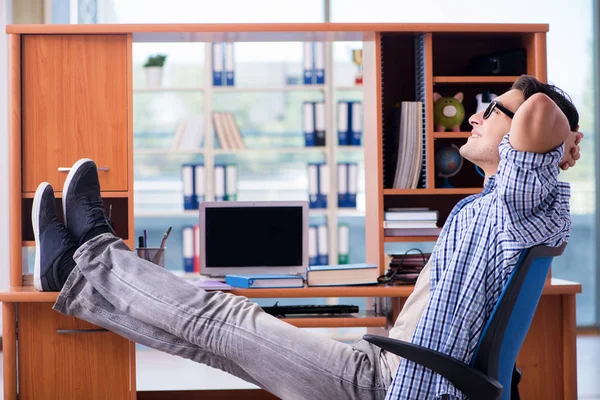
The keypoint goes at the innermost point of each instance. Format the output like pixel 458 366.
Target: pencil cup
pixel 155 255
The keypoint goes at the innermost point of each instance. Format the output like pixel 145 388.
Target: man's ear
pixel 436 96
pixel 458 96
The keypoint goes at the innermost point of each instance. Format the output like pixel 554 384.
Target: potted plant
pixel 154 70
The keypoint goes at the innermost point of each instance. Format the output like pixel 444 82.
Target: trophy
pixel 357 59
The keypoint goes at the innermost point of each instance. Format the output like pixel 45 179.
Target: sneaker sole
pixel 35 220
pixel 65 191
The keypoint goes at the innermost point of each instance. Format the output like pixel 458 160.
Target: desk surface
pixel 15 294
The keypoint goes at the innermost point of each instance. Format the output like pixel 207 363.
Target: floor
pixel 160 371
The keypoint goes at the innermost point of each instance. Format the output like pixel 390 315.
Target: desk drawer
pixel 66 358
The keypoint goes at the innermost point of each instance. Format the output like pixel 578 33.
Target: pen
pixel 141 242
pixel 165 236
pixel 145 238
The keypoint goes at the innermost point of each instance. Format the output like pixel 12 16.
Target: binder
pixel 308 124
pixel 342 124
pixel 352 185
pixel 190 201
pixel 229 65
pixel 231 180
pixel 342 185
pixel 343 243
pixel 319 123
pixel 264 281
pixel 313 185
pixel 220 183
pixel 319 55
pixel 323 185
pixel 188 248
pixel 312 245
pixel 199 187
pixel 323 245
pixel 217 64
pixel 355 124
pixel 308 62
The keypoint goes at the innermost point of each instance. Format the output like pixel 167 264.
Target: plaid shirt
pixel 523 205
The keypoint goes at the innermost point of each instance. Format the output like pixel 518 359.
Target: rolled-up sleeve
pixel 535 203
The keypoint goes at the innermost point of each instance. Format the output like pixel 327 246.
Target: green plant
pixel 155 61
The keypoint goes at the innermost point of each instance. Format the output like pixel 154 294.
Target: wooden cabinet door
pixel 70 365
pixel 74 105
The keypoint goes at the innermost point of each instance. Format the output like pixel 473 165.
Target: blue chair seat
pixel 493 365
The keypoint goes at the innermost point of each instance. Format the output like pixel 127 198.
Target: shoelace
pixel 94 211
pixel 65 235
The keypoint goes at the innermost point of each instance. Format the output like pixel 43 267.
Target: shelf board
pixel 169 151
pixel 474 79
pixel 282 150
pixel 349 87
pixel 360 319
pixel 404 239
pixel 286 88
pixel 168 89
pixel 351 148
pixel 451 135
pixel 417 192
pixel 194 213
pixel 28 243
pixel 58 195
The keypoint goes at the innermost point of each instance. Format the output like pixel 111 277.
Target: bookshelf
pixel 210 154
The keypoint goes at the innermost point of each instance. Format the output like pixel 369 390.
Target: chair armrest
pixel 471 382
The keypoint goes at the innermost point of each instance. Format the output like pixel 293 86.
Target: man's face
pixel 482 147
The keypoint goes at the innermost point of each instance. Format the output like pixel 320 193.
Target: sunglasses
pixel 494 104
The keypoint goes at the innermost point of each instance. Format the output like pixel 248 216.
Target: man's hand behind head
pixel 571 154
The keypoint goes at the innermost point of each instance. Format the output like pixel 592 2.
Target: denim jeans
pixel 113 288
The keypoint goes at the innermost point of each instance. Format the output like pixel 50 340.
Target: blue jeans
pixel 113 288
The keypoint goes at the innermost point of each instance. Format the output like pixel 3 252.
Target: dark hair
pixel 530 86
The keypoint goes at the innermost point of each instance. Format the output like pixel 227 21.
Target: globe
pixel 448 163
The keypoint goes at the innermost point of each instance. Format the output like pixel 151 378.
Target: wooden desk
pixel 548 357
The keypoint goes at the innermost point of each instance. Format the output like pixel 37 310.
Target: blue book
pixel 264 281
pixel 229 65
pixel 341 275
pixel 217 64
pixel 308 63
pixel 319 63
pixel 343 122
pixel 190 196
pixel 355 123
pixel 308 124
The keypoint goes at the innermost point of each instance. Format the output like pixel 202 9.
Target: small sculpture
pixel 448 112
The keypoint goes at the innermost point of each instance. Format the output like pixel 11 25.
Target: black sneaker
pixel 54 246
pixel 82 204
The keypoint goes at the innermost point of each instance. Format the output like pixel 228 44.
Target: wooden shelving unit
pixel 474 79
pixel 451 135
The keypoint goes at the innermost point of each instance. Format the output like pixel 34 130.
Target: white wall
pixel 4 223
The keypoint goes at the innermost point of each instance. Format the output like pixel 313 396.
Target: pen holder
pixel 155 255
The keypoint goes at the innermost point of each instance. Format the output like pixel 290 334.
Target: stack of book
pixel 227 130
pixel 405 268
pixel 410 222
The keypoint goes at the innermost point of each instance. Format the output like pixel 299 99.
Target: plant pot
pixel 154 77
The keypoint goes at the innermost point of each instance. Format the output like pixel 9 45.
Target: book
pixel 264 281
pixel 207 284
pixel 340 275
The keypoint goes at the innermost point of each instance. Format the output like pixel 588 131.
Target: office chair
pixel 493 364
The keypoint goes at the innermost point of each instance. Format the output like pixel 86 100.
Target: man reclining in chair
pixel 523 204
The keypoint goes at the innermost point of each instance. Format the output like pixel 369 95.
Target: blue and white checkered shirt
pixel 523 205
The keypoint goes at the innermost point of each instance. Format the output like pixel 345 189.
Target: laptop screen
pixel 270 236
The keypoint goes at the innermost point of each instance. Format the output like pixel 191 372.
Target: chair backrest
pixel 505 331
